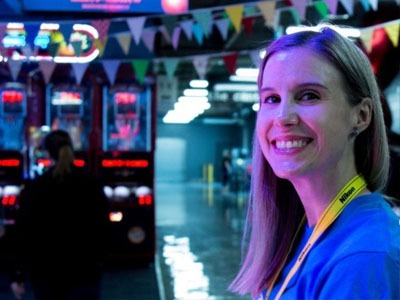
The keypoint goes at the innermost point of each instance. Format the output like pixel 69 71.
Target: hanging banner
pixel 108 6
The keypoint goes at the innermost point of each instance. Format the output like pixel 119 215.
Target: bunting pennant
pixel 140 67
pixel 267 9
pixel 204 19
pixel 348 6
pixel 248 23
pixel 255 57
pixel 66 30
pixel 186 26
pixel 79 70
pixel 102 27
pixel 14 66
pixel 392 31
pixel 111 69
pixel 301 6
pixel 52 48
pixel 136 27
pixel 165 33
pixel 77 46
pixel 366 39
pixel 198 33
pixel 230 61
pixel 222 26
pixel 47 68
pixel 235 14
pixel 374 4
pixel 332 5
pixel 365 4
pixel 148 38
pixel 124 40
pixel 321 8
pixel 170 66
pixel 100 45
pixel 175 37
pixel 200 64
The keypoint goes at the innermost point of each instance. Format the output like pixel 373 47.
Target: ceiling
pixel 214 46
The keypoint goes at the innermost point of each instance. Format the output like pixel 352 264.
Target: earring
pixel 355 132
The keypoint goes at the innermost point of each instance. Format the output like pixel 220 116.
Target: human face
pixel 304 122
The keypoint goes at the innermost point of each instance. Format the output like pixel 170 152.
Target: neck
pixel 317 192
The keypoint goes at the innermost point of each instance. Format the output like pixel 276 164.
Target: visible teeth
pixel 290 144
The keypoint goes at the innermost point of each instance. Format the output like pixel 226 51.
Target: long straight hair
pixel 274 209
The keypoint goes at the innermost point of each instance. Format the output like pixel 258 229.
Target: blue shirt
pixel 357 257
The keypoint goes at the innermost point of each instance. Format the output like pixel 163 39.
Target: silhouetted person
pixel 62 229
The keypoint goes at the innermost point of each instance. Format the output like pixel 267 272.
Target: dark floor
pixel 198 248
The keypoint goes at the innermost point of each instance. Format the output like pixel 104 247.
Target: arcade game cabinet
pixel 13 105
pixel 126 165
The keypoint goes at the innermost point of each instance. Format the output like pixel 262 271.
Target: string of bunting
pixel 197 25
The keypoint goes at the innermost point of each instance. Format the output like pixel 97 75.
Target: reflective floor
pixel 199 231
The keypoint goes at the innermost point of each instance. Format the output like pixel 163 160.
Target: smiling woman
pixel 315 176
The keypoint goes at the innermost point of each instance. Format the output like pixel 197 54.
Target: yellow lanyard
pixel 346 194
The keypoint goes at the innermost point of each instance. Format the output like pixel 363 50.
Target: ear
pixel 364 114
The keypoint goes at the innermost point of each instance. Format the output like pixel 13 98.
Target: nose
pixel 286 115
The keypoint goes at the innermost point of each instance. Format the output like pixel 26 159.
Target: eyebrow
pixel 302 85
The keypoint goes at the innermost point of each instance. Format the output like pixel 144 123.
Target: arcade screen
pixel 71 111
pixel 12 118
pixel 126 120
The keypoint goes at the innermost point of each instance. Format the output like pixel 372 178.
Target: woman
pixel 62 229
pixel 317 227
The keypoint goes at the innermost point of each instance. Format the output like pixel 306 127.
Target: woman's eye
pixel 309 97
pixel 271 99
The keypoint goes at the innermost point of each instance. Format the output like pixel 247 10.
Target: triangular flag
pixel 235 14
pixel 14 66
pixel 102 27
pixel 248 23
pixel 140 66
pixel 204 19
pixel 300 6
pixel 27 50
pixel 79 71
pixel 321 8
pixel 47 68
pixel 348 6
pixel 136 27
pixel 200 64
pixel 255 58
pixel 111 68
pixel 66 30
pixel 392 30
pixel 198 33
pixel 100 45
pixel 222 26
pixel 52 48
pixel 187 25
pixel 165 34
pixel 148 38
pixel 332 5
pixel 175 37
pixel 124 41
pixel 366 39
pixel 374 4
pixel 31 33
pixel 267 9
pixel 77 46
pixel 230 61
pixel 170 66
pixel 170 23
pixel 365 4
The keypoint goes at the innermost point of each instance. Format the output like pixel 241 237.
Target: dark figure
pixel 62 229
pixel 226 171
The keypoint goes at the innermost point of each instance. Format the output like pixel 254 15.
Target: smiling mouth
pixel 292 144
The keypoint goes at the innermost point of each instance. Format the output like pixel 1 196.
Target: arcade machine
pixel 67 108
pixel 126 165
pixel 13 105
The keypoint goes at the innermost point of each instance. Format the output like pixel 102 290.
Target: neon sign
pixel 50 44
